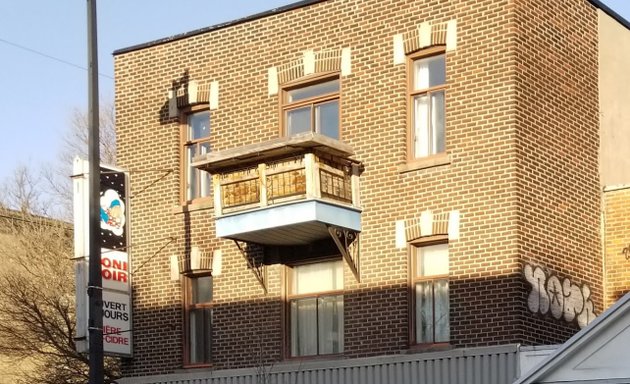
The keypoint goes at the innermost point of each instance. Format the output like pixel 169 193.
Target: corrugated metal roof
pixel 487 365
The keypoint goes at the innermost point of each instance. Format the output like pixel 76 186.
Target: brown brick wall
pixel 557 147
pixel 616 244
pixel 498 178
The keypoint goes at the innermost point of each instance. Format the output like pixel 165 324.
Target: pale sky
pixel 43 51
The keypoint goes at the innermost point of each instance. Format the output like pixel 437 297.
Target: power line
pixel 49 56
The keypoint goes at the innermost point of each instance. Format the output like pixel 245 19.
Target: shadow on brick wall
pixel 484 311
pixel 181 83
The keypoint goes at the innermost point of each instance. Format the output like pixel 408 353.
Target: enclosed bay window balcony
pixel 288 191
pixel 295 197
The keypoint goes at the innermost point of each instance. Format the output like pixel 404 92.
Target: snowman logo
pixel 112 212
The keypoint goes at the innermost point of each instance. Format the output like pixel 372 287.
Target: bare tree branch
pixel 37 301
pixel 23 191
pixel 37 319
pixel 46 189
pixel 75 142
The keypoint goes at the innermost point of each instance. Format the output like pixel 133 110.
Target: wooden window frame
pixel 413 248
pixel 432 159
pixel 186 307
pixel 289 275
pixel 185 143
pixel 305 82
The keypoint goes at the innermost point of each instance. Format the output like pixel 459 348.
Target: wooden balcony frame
pixel 254 186
pixel 307 170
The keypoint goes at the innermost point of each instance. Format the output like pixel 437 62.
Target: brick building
pixel 333 186
pixel 614 58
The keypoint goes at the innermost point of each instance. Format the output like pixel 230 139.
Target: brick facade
pixel 557 144
pixel 616 202
pixel 522 141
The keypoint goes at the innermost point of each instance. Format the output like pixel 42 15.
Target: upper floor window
pixel 312 108
pixel 430 289
pixel 198 319
pixel 426 99
pixel 316 309
pixel 196 142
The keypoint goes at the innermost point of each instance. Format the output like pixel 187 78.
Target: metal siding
pixel 490 365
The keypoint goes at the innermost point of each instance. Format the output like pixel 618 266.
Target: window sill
pixel 426 162
pixel 437 347
pixel 194 367
pixel 330 356
pixel 194 206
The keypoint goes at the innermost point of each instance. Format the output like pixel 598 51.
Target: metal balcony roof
pixel 297 223
pixel 214 162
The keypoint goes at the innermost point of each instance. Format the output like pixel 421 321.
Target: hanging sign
pixel 115 263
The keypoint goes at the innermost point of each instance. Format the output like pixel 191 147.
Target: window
pixel 430 286
pixel 316 309
pixel 196 142
pixel 312 108
pixel 198 319
pixel 426 98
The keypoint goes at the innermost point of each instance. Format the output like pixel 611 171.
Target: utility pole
pixel 95 281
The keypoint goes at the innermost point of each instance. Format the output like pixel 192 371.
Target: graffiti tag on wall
pixel 558 297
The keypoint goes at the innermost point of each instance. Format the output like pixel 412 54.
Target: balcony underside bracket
pixel 257 267
pixel 348 242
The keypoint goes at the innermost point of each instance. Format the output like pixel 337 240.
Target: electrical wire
pixel 49 56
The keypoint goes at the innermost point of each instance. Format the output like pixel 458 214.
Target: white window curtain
pixel 317 322
pixel 330 324
pixel 304 327
pixel 432 296
pixel 193 329
pixel 200 330
pixel 428 108
pixel 421 109
pixel 441 322
pixel 437 122
pixel 190 174
pixel 318 277
pixel 421 74
pixel 432 260
pixel 421 126
pixel 204 177
pixel 424 312
pixel 200 320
